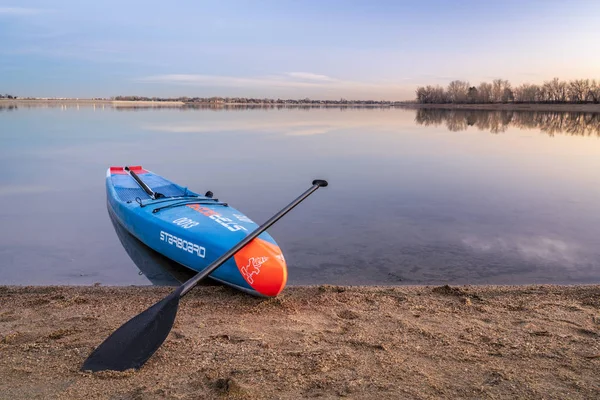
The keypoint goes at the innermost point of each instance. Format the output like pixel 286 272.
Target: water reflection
pixel 410 204
pixel 307 107
pixel 552 123
pixel 160 270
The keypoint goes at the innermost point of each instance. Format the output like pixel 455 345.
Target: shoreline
pixel 509 107
pixel 415 106
pixel 85 102
pixel 527 341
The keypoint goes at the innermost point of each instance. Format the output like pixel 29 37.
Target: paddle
pixel 131 345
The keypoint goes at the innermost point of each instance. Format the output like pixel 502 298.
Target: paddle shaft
pixel 141 183
pixel 187 286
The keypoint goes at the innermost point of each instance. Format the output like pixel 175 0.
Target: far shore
pixel 594 108
pixel 392 342
pixel 85 102
pixel 510 107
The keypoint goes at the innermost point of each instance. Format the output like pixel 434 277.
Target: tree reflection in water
pixel 551 123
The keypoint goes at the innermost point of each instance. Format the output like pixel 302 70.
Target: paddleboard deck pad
pixel 194 230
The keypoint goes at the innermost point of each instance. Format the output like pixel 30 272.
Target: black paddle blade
pixel 134 342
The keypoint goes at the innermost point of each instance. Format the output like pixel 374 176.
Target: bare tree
pixel 561 90
pixel 593 94
pixel 556 90
pixel 431 94
pixel 484 90
pixel 501 91
pixel 507 95
pixel 578 90
pixel 422 95
pixel 457 91
pixel 527 93
pixel 439 95
pixel 549 94
pixel 498 89
pixel 544 94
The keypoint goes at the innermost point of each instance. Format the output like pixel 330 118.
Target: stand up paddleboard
pixel 194 230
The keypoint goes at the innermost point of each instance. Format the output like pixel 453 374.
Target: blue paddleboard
pixel 194 230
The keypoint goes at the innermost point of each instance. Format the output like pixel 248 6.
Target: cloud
pixel 310 76
pixel 530 247
pixel 230 81
pixel 10 190
pixel 314 124
pixel 19 11
pixel 290 80
pixel 277 127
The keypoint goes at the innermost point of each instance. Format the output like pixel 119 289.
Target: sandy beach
pixel 473 342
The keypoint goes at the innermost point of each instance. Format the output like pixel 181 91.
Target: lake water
pixel 415 197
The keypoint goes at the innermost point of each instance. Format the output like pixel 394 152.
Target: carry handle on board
pixel 131 345
pixel 151 193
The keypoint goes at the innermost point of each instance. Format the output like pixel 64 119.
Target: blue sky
pixel 289 49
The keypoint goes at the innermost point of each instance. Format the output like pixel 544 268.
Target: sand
pixel 532 342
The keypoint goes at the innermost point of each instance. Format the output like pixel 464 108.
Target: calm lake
pixel 415 196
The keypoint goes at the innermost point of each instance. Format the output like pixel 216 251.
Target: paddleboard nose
pixel 263 266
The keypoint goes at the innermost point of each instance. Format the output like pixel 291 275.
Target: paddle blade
pixel 134 342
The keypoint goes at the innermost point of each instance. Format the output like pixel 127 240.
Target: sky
pixel 322 49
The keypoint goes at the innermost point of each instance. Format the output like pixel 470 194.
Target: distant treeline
pixel 570 123
pixel 247 100
pixel 577 91
pixel 7 96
